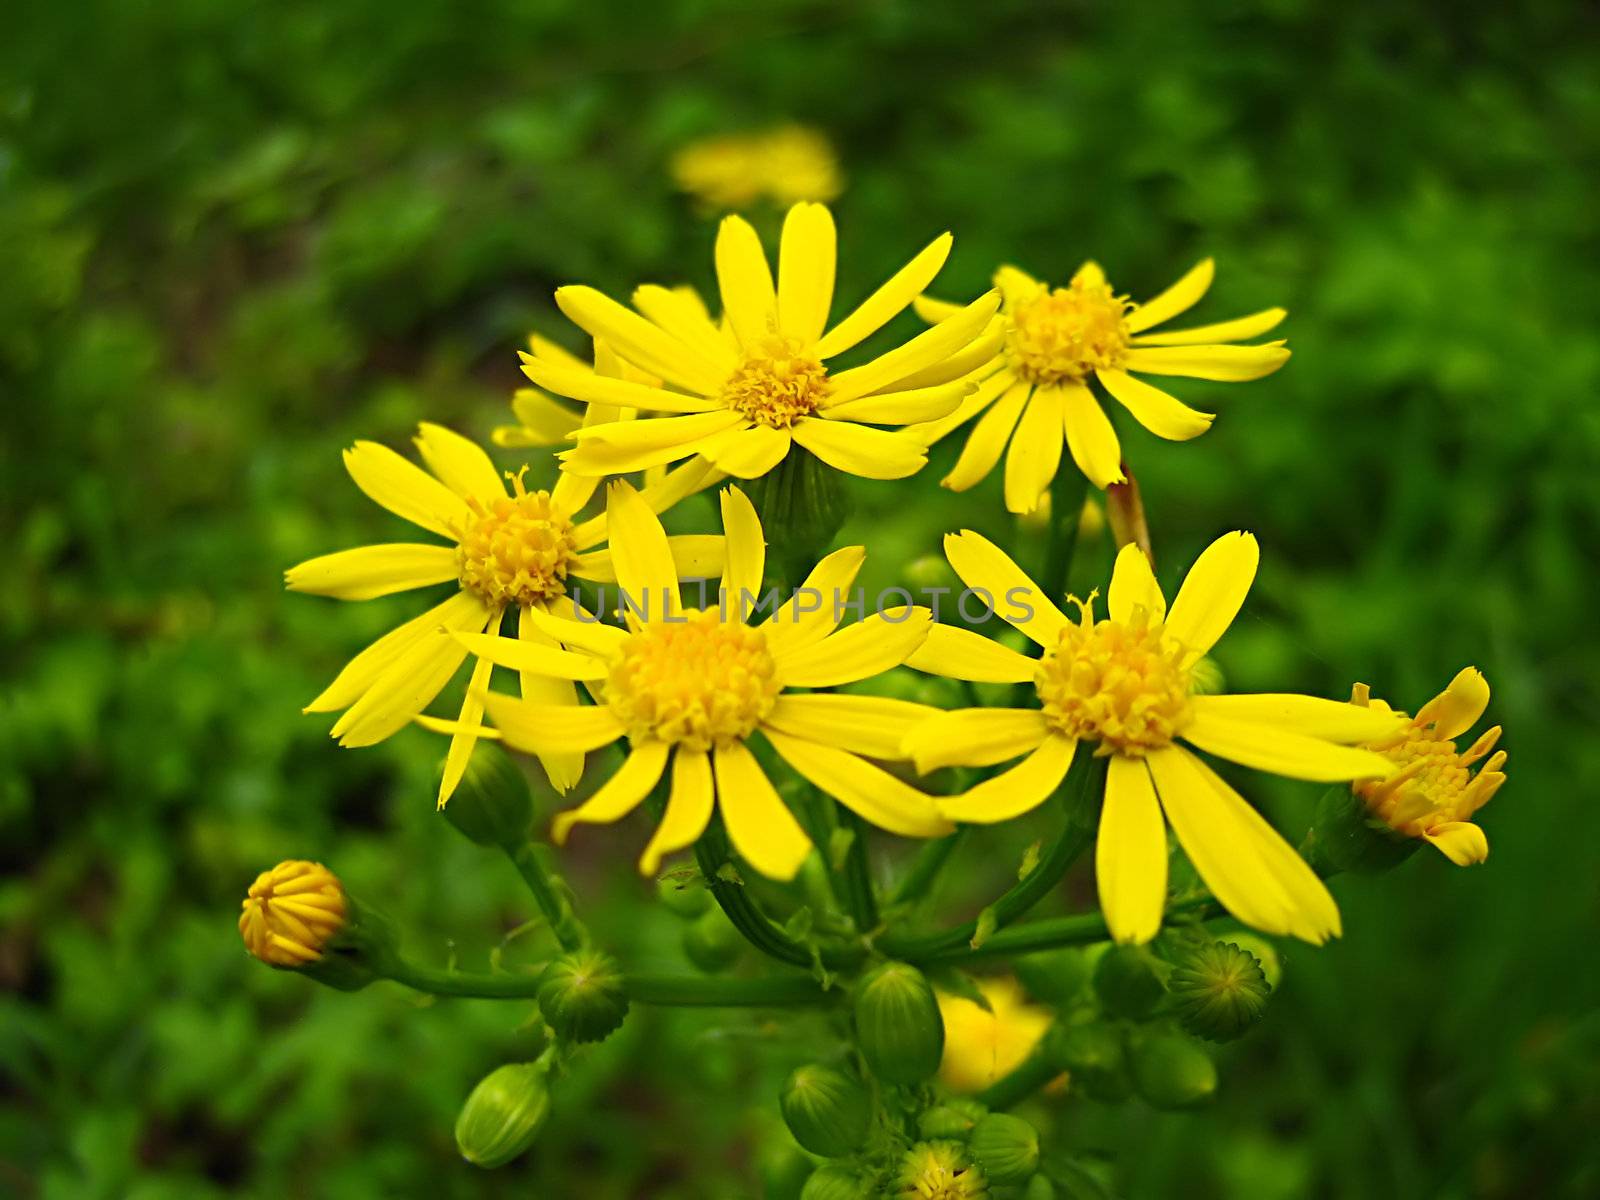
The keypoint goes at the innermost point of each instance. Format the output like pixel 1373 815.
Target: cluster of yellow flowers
pixel 716 698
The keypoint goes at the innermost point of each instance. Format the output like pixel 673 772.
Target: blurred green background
pixel 235 237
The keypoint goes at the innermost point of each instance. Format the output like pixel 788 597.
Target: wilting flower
pixel 689 687
pixel 511 549
pixel 291 913
pixel 1059 339
pixel 1434 791
pixel 786 164
pixel 743 392
pixel 981 1046
pixel 1125 685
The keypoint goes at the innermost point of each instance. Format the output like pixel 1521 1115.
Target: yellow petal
pixel 587 634
pixel 1276 749
pixel 1457 709
pixel 466 737
pixel 878 309
pixel 744 545
pixel 869 791
pixel 1130 852
pixel 370 571
pixel 461 464
pixel 860 450
pixel 458 612
pixel 620 794
pixel 1237 330
pixel 958 653
pixel 932 310
pixel 1090 437
pixel 989 436
pixel 659 495
pixel 1035 451
pixel 551 728
pixel 817 605
pixel 856 652
pixel 591 387
pixel 1158 412
pixel 546 421
pixel 1462 842
pixel 532 657
pixel 543 347
pixel 407 686
pixel 989 571
pixel 624 446
pixel 405 489
pixel 749 300
pixel 1309 715
pixel 747 453
pixel 1016 791
pixel 875 726
pixel 1230 364
pixel 980 357
pixel 1178 298
pixel 646 573
pixel 929 347
pixel 1134 586
pixel 806 262
pixel 685 319
pixel 902 408
pixel 975 737
pixel 760 825
pixel 563 770
pixel 1016 285
pixel 646 346
pixel 1213 592
pixel 689 808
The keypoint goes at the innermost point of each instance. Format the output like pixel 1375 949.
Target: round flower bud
pixel 1094 1056
pixel 833 1182
pixel 1053 976
pixel 492 805
pixel 1126 982
pixel 1172 1072
pixel 711 942
pixel 1006 1147
pixel 583 996
pixel 898 1026
pixel 503 1115
pixel 683 899
pixel 951 1121
pixel 1265 953
pixel 292 912
pixel 940 1169
pixel 1218 990
pixel 828 1112
pixel 1039 1188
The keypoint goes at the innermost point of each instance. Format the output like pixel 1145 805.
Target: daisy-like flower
pixel 509 549
pixel 1059 339
pixel 981 1046
pixel 1434 790
pixel 939 1171
pixel 743 392
pixel 689 688
pixel 1125 685
pixel 292 912
pixel 786 164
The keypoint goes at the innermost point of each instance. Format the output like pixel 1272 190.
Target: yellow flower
pixel 981 1047
pixel 1125 685
pixel 689 687
pixel 939 1171
pixel 788 164
pixel 741 393
pixel 1434 791
pixel 510 549
pixel 1056 340
pixel 291 913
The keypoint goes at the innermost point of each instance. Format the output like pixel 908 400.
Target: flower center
pixel 938 1171
pixel 1434 783
pixel 698 681
pixel 516 549
pixel 1064 333
pixel 777 386
pixel 1122 685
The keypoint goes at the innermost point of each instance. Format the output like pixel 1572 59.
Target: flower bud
pixel 828 1112
pixel 711 942
pixel 1218 990
pixel 297 917
pixel 503 1115
pixel 898 1026
pixel 833 1182
pixel 1126 982
pixel 1265 953
pixel 951 1121
pixel 784 1170
pixel 1006 1147
pixel 940 1169
pixel 1039 1188
pixel 583 996
pixel 1053 976
pixel 1346 836
pixel 1171 1072
pixel 1093 1054
pixel 686 899
pixel 492 805
pixel 806 499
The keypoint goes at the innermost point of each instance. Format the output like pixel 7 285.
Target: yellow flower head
pixel 291 913
pixel 939 1171
pixel 508 549
pixel 690 688
pixel 787 164
pixel 1124 685
pixel 1434 790
pixel 981 1047
pixel 1060 340
pixel 742 392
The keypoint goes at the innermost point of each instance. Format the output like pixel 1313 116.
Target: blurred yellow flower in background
pixel 785 164
pixel 981 1047
pixel 291 912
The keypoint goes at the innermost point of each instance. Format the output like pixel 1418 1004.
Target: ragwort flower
pixel 786 164
pixel 983 1045
pixel 292 912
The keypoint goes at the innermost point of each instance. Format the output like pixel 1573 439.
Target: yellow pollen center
pixel 777 386
pixel 1063 334
pixel 698 682
pixel 1122 685
pixel 516 549
pixel 1430 786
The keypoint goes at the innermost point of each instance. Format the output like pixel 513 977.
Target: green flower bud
pixel 1006 1147
pixel 1126 982
pixel 492 805
pixel 687 899
pixel 583 995
pixel 898 1026
pixel 940 1169
pixel 1346 837
pixel 711 942
pixel 503 1115
pixel 828 1112
pixel 784 1171
pixel 1172 1072
pixel 1053 976
pixel 951 1121
pixel 1265 953
pixel 806 499
pixel 833 1182
pixel 1039 1188
pixel 1094 1057
pixel 1218 990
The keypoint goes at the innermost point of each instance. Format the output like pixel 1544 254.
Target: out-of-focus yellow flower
pixel 1059 339
pixel 742 393
pixel 1125 686
pixel 1434 791
pixel 939 1171
pixel 981 1047
pixel 291 912
pixel 786 164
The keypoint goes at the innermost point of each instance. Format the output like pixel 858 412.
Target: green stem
pixel 550 893
pixel 926 866
pixel 1012 1089
pixel 711 852
pixel 1080 809
pixel 1067 493
pixel 682 991
pixel 1055 932
pixel 857 875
